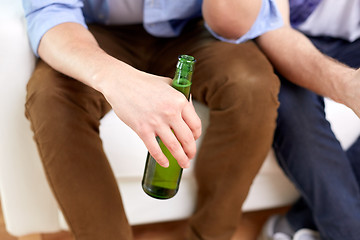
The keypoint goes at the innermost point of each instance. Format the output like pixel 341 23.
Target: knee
pixel 249 87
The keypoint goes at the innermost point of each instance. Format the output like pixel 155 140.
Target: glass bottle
pixel 160 182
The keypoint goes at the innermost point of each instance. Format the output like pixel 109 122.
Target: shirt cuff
pixel 269 18
pixel 42 20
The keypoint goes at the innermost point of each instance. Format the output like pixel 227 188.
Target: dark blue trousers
pixel 327 176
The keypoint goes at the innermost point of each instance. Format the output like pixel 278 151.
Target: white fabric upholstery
pixel 25 196
pixel 270 189
pixel 27 202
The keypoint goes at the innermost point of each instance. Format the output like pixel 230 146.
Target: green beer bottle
pixel 160 182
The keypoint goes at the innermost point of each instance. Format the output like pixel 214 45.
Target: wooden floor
pixel 248 229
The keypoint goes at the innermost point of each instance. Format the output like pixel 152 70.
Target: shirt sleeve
pixel 269 18
pixel 43 15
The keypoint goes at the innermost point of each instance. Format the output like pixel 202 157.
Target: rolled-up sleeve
pixel 45 14
pixel 269 18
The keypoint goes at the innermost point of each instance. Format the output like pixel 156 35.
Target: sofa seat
pixel 122 146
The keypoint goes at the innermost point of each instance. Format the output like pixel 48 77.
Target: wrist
pixel 103 76
pixel 345 90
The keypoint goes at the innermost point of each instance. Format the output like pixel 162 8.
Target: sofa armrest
pixel 22 181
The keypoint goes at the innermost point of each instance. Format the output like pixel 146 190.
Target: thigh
pixel 47 88
pixel 314 160
pixel 353 154
pixel 65 116
pixel 128 43
pixel 339 49
pixel 302 132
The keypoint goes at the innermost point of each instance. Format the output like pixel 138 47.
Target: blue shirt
pixel 162 18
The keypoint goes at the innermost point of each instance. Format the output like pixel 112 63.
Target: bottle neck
pixel 182 82
pixel 183 74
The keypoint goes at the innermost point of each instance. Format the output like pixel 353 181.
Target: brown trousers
pixel 236 82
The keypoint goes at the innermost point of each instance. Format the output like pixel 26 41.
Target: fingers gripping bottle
pixel 160 182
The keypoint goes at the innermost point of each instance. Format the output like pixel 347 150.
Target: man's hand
pixel 151 107
pixel 145 102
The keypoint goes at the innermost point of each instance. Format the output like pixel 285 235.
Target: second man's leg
pixel 313 159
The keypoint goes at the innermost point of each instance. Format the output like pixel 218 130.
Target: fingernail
pixel 165 165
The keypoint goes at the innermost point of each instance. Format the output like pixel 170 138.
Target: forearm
pixel 72 50
pixel 297 59
pixel 291 52
pixel 145 102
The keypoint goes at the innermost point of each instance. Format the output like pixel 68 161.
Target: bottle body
pixel 160 182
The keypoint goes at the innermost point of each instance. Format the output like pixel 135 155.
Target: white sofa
pixel 28 205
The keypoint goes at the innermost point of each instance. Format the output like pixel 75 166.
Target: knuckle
pixel 173 145
pixel 153 121
pixel 183 161
pixel 197 124
pixel 159 157
pixel 188 141
pixel 144 133
pixel 197 133
pixel 191 153
pixel 157 154
pixel 190 150
pixel 187 137
pixel 170 113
